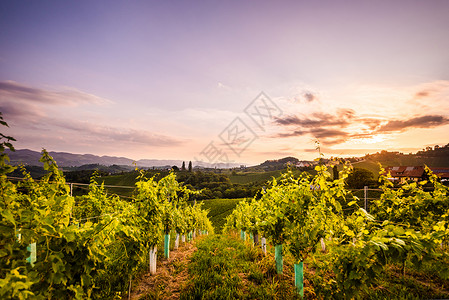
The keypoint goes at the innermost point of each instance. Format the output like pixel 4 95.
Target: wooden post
pixel 177 241
pixel 365 193
pixel 256 239
pixel 129 290
pixel 323 245
pixel 264 245
pixel 153 258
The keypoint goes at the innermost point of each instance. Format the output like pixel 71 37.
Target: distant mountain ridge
pixel 432 157
pixel 64 159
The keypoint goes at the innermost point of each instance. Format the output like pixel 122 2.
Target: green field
pixel 244 178
pixel 368 165
pixel 219 209
pixel 260 177
pixel 127 179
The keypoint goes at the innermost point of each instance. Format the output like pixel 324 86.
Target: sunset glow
pixel 163 80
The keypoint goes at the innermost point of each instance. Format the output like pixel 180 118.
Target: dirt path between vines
pixel 170 275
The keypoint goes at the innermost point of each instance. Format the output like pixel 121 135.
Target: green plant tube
pixel 243 235
pixel 167 246
pixel 299 278
pixel 32 258
pixel 278 258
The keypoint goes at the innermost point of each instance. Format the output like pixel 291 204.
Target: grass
pixel 126 179
pixel 224 267
pixel 219 209
pixel 244 178
pixel 261 177
pixel 368 165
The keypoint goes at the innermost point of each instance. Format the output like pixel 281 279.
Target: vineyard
pixel 350 252
pixel 302 236
pixel 55 246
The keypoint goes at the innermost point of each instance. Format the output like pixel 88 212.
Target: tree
pixel 359 178
pixel 190 166
pixel 183 168
pixel 335 172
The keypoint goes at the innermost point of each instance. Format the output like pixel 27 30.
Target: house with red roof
pixel 403 174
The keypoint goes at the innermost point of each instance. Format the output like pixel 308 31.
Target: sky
pixel 225 81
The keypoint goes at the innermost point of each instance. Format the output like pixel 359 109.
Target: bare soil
pixel 170 275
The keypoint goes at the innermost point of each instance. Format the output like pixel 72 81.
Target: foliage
pixel 408 226
pixel 359 178
pixel 87 247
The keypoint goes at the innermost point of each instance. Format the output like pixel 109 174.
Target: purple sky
pixel 166 79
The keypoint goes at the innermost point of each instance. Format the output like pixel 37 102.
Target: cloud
pixel 305 97
pixel 432 89
pixel 21 110
pixel 323 126
pixel 316 132
pixel 31 107
pixel 370 123
pixel 293 133
pixel 324 133
pixel 14 91
pixel 344 125
pixel 309 97
pixel 109 134
pixel 288 120
pixel 344 152
pixel 223 86
pixel 44 112
pixel 422 94
pixel 22 114
pixel 427 121
pixel 341 118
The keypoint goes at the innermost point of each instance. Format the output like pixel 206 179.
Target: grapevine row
pixel 55 246
pixel 306 216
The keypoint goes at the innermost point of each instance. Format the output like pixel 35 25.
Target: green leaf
pixel 400 242
pixel 85 280
pixel 8 216
pixel 3 252
pixel 69 236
